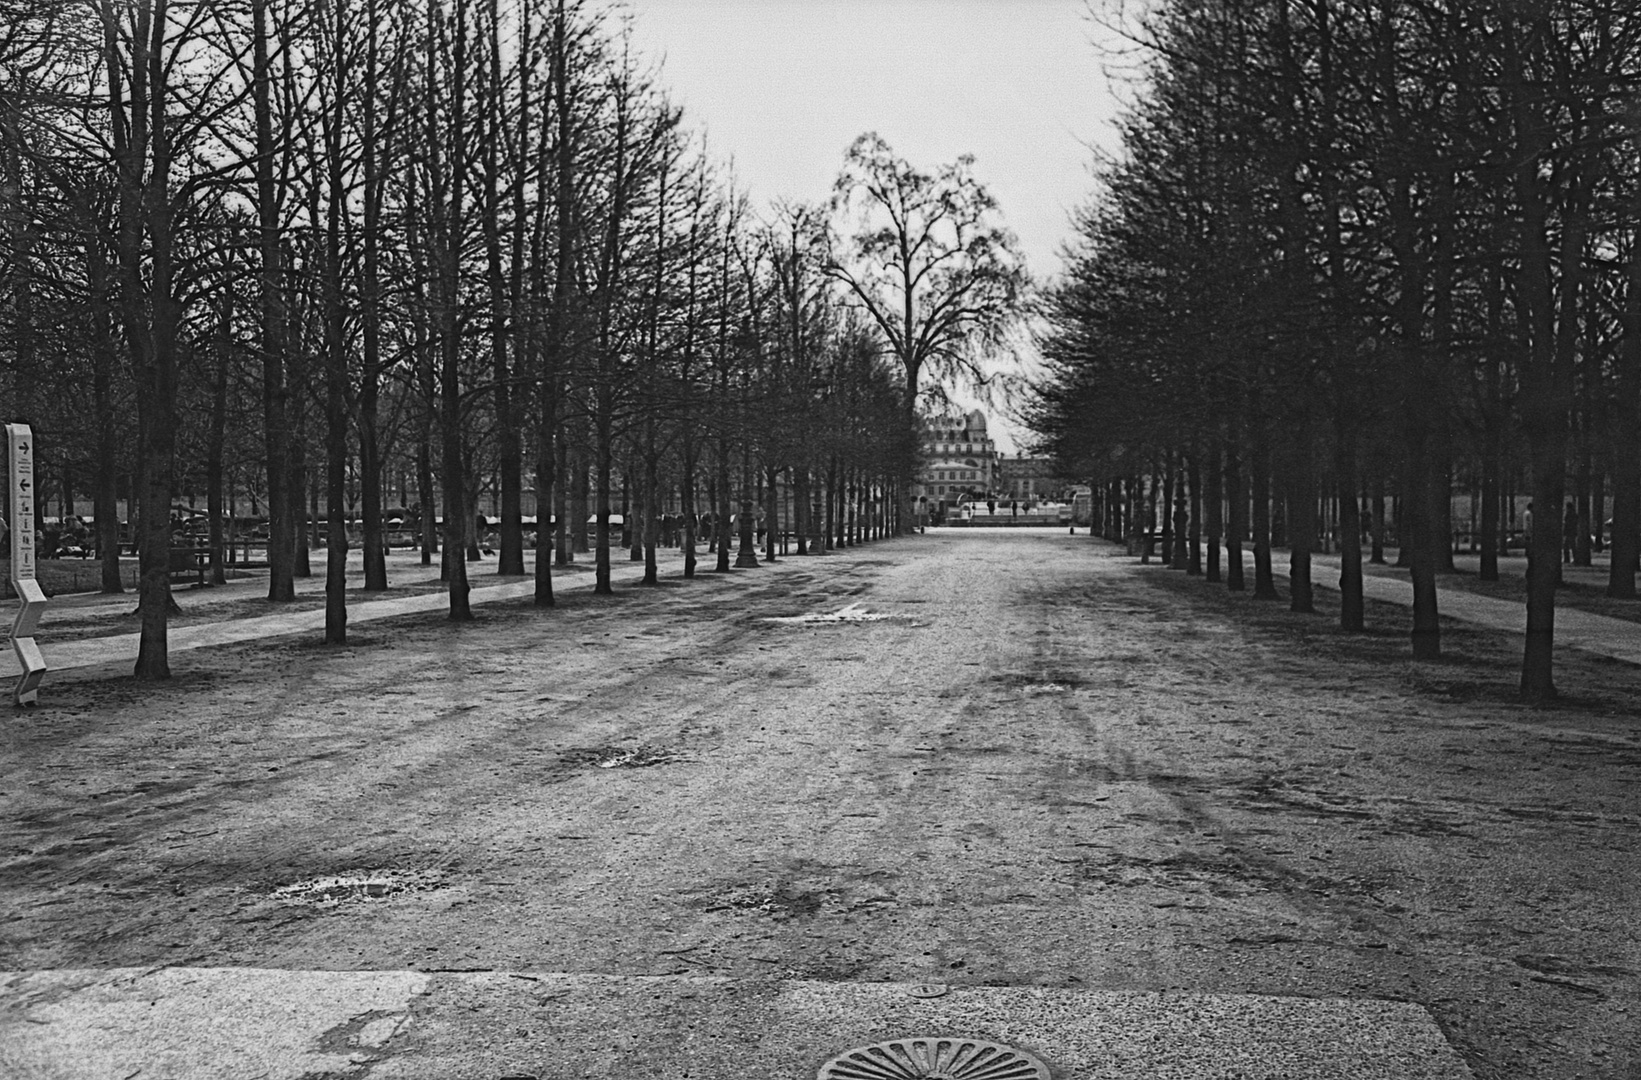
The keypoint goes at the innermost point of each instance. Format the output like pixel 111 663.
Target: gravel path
pixel 1040 765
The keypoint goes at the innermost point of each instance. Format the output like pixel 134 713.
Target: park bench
pixel 188 564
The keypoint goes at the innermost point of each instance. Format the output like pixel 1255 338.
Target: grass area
pixel 60 577
pixel 1579 591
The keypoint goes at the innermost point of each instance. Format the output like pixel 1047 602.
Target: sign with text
pixel 21 440
pixel 31 599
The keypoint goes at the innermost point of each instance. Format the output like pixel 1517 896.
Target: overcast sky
pixel 783 87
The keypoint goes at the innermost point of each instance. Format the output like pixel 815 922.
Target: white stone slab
pixel 227 1023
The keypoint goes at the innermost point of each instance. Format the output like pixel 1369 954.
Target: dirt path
pixel 1046 766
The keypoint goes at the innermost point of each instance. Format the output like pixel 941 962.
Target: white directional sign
pixel 31 600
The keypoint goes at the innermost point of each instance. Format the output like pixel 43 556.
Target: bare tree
pixel 929 262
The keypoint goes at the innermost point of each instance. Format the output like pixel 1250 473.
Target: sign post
pixel 31 601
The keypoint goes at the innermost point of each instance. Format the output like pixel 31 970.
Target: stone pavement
pixel 231 1023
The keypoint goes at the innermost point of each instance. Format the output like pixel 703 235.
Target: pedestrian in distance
pixel 1569 533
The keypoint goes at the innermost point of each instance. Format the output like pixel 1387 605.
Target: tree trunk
pixel 632 529
pixel 157 411
pixel 566 523
pixel 1582 496
pixel 1625 450
pixel 1264 581
pixel 370 316
pixel 276 433
pixel 832 516
pixel 746 554
pixel 450 214
pixel 603 488
pixel 802 525
pixel 1418 528
pixel 1490 505
pixel 1215 512
pixel 336 520
pixel 1180 559
pixel 158 438
pixel 1162 508
pixel 216 441
pixel 374 538
pixel 336 354
pixel 720 512
pixel 1193 551
pixel 652 511
pixel 1352 605
pixel 1301 528
pixel 772 513
pixel 504 287
pixel 1237 527
pixel 106 494
pixel 1377 554
pixel 686 506
pixel 581 503
pixel 548 495
pixel 308 519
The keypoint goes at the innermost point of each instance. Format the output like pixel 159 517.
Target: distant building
pixel 1031 479
pixel 958 458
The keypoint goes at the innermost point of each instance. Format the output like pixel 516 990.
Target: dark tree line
pixel 1365 253
pixel 307 254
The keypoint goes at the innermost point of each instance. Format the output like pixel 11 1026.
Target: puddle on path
pixel 620 757
pixel 358 885
pixel 853 613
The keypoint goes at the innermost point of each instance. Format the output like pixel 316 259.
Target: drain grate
pixel 934 1058
pixel 357 885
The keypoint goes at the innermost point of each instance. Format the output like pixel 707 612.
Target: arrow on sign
pixel 23 447
pixel 24 484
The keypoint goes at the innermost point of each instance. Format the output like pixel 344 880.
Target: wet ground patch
pixel 619 757
pixel 352 886
pixel 850 614
pixel 778 900
pixel 1221 875
pixel 1033 683
pixel 1268 792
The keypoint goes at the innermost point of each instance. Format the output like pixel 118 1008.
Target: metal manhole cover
pixel 934 1058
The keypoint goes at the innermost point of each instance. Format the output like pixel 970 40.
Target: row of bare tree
pixel 345 239
pixel 1358 248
